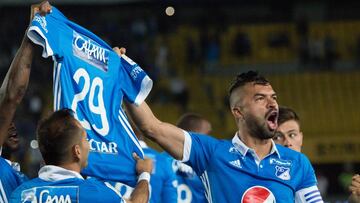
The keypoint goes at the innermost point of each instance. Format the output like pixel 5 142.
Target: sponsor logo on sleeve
pixel 42 21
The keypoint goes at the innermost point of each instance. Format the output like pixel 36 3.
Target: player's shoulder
pixel 204 137
pixel 26 185
pixel 93 190
pixel 4 164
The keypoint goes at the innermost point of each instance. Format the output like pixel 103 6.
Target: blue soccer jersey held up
pixel 92 80
pixel 232 172
pixel 10 179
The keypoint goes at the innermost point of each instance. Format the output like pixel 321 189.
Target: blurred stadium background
pixel 310 51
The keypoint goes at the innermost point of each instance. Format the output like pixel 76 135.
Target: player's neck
pixel 71 166
pixel 261 147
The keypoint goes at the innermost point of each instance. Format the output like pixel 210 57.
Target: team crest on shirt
pixel 258 194
pixel 90 52
pixel 282 172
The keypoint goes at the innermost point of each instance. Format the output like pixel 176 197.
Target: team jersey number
pixel 91 86
pixel 184 194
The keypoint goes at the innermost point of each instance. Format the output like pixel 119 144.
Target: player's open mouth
pixel 271 119
pixel 12 135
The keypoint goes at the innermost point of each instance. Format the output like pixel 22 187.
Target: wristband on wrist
pixel 144 176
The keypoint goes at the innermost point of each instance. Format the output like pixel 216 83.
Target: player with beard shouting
pixel 248 168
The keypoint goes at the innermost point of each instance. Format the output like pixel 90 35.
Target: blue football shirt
pixel 56 184
pixel 10 179
pixel 232 172
pixel 189 188
pixel 163 179
pixel 92 80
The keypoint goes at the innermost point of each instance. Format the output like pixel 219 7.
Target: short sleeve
pixel 45 31
pixel 307 191
pixel 136 84
pixel 201 147
pixel 309 178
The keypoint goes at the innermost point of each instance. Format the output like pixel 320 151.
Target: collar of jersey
pixel 55 173
pixel 243 149
pixel 143 144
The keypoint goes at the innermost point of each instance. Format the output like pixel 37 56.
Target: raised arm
pixel 168 136
pixel 17 78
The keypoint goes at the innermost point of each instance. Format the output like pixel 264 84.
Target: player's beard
pixel 257 128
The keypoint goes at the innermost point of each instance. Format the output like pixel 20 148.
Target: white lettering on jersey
pixel 90 49
pixel 103 147
pixel 90 52
pixel 47 198
pixel 99 109
pixel 184 194
pixel 41 20
pixel 135 72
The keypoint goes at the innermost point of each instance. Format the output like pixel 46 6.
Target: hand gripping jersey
pixel 163 180
pixel 10 179
pixel 232 172
pixel 92 80
pixel 56 184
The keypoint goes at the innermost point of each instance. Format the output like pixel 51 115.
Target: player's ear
pixel 76 151
pixel 237 112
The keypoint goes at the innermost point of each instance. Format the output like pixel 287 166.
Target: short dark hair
pixel 247 77
pixel 190 122
pixel 56 135
pixel 287 114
